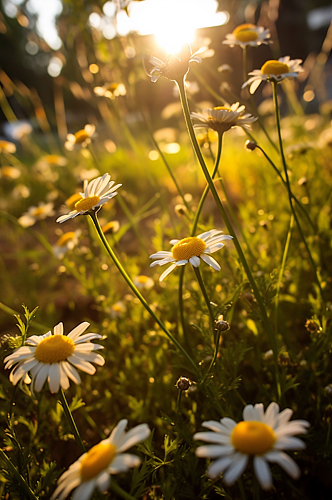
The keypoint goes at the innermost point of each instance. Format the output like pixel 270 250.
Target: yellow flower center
pixel 253 438
pixel 55 349
pixel 86 204
pixel 225 108
pixel 71 202
pixel 112 87
pixel 142 279
pixel 187 248
pixel 81 136
pixel 246 33
pixel 117 307
pixel 96 460
pixel 38 211
pixel 63 240
pixel 274 68
pixel 52 159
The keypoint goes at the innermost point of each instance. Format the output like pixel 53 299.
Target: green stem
pixel 281 273
pixel 138 294
pixel 243 494
pixel 205 295
pixel 285 184
pixel 277 114
pixel 17 476
pixel 206 190
pixel 119 491
pixel 71 421
pixel 217 340
pixel 266 321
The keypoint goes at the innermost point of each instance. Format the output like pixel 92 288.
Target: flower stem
pixel 71 421
pixel 28 493
pixel 119 491
pixel 266 321
pixel 138 294
pixel 277 115
pixel 205 295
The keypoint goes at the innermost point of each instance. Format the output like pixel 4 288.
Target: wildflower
pixel 260 435
pixel 180 209
pixel 54 357
pixel 117 309
pixel 34 213
pixel 220 324
pixel 175 67
pixel 7 147
pixel 183 383
pixel 81 138
pixel 110 90
pixel 192 250
pixel 142 281
pixel 67 241
pixel 21 130
pixel 274 71
pixel 111 227
pixel 9 172
pixel 222 118
pixel 95 194
pixel 93 468
pixel 248 34
pixel 53 160
pixel 206 138
pixel 72 200
pixel 250 145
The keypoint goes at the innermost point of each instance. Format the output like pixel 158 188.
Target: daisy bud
pixel 183 383
pixel 180 210
pixel 250 145
pixel 312 326
pixel 221 325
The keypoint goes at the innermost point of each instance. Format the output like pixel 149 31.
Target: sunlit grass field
pixel 198 346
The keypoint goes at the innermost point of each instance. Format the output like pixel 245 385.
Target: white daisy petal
pixel 262 472
pixel 213 437
pixel 214 451
pixel 285 461
pixel 236 468
pixel 78 330
pixel 84 491
pixel 289 443
pixel 103 482
pixel 195 261
pixel 219 466
pixel 54 377
pixel 211 262
pixel 58 329
pixel 123 462
pixel 85 366
pixel 249 413
pixel 134 436
pixel 41 377
pixel 72 373
pixel 271 414
pixel 167 272
pixel 225 426
pixel 118 432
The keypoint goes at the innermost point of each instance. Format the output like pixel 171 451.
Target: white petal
pixel 166 273
pixel 72 372
pixel 254 86
pixel 58 329
pixel 174 242
pixel 54 377
pixel 214 248
pixel 134 436
pixel 284 416
pixel 65 488
pixel 118 432
pixel 87 337
pixel 103 482
pixel 289 443
pixel 84 491
pixel 286 462
pixel 211 262
pixel 64 381
pixel 78 330
pixel 160 254
pixel 271 414
pixel 219 466
pixel 195 261
pixel 122 463
pixel 85 366
pixel 236 468
pixel 249 413
pixel 214 451
pixel 213 437
pixel 263 473
pixel 259 412
pixel 41 377
pixel 225 426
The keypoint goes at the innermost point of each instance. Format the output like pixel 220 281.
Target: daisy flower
pixel 81 138
pixel 95 194
pixel 174 67
pixel 21 130
pixel 93 469
pixel 193 250
pixel 274 70
pixel 9 172
pixel 118 309
pixel 222 118
pixel 248 35
pixel 34 214
pixel 66 242
pixel 110 90
pixel 7 147
pixel 111 227
pixel 260 435
pixel 53 160
pixel 142 281
pixel 55 357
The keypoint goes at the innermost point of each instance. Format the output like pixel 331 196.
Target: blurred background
pixel 54 53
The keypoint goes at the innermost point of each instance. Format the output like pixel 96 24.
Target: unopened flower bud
pixel 180 210
pixel 221 325
pixel 250 145
pixel 183 383
pixel 328 390
pixel 312 326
